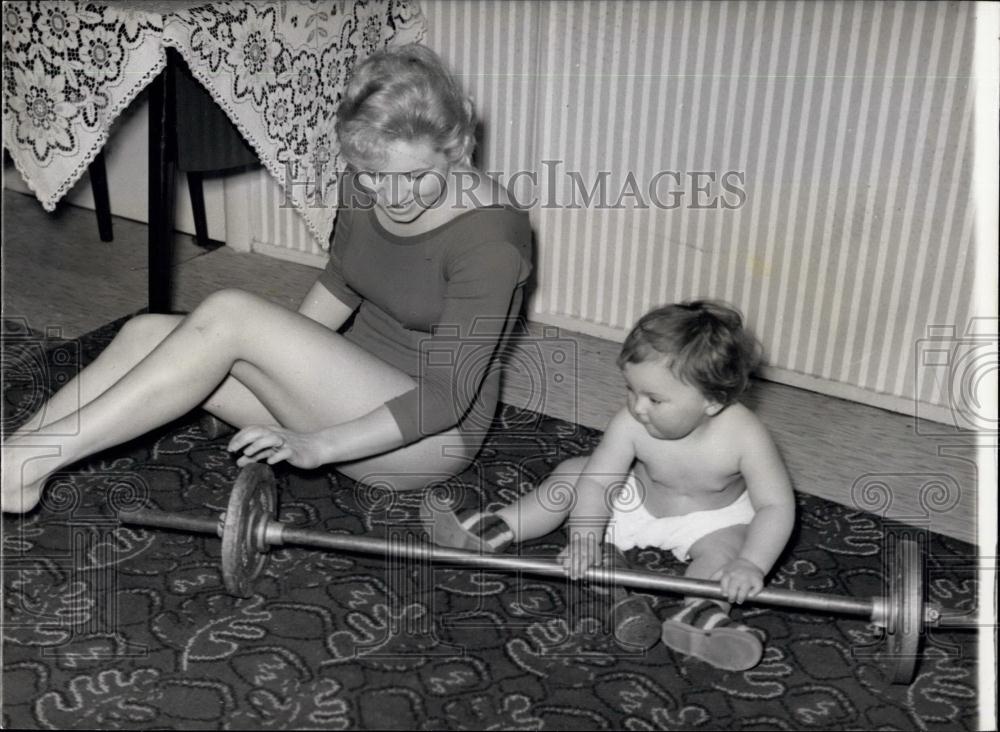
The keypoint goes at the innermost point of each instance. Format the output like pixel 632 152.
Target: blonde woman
pixel 430 257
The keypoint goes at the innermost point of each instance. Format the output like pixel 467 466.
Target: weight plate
pixel 251 505
pixel 906 609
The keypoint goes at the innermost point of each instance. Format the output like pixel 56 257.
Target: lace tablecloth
pixel 278 69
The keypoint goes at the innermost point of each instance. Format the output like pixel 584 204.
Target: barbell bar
pixel 248 529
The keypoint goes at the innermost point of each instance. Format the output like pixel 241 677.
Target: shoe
pixel 472 531
pixel 636 626
pixel 215 427
pixel 704 630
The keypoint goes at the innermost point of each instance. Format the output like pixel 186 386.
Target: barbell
pixel 248 529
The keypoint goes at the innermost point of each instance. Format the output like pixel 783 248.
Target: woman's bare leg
pixel 232 402
pixel 293 365
pixel 134 341
pixel 235 404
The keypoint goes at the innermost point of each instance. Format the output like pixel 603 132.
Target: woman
pixel 429 254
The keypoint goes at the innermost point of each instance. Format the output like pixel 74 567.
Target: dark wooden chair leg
pixel 102 203
pixel 161 191
pixel 194 179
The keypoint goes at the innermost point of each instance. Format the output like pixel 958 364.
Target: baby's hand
pixel 583 551
pixel 740 579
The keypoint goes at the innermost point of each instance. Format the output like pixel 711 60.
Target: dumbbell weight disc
pixel 252 503
pixel 906 608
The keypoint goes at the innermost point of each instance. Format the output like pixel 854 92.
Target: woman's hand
pixel 274 444
pixel 740 579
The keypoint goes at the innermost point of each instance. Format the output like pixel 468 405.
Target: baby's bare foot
pixel 25 468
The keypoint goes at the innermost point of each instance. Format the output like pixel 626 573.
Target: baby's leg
pixel 544 509
pixel 534 514
pixel 714 551
pixel 703 628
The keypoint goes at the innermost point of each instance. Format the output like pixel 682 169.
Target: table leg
pixel 102 202
pixel 161 189
pixel 197 191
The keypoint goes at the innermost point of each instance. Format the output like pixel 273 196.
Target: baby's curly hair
pixel 403 93
pixel 705 343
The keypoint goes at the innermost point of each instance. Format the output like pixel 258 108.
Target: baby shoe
pixel 704 630
pixel 472 530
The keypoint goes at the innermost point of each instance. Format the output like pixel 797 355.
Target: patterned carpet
pixel 115 627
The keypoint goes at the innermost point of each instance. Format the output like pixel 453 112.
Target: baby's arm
pixel 608 466
pixel 770 491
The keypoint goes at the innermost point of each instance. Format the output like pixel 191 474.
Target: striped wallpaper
pixel 844 227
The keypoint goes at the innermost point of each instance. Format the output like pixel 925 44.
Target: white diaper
pixel 631 525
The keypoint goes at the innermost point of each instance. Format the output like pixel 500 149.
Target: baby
pixel 682 466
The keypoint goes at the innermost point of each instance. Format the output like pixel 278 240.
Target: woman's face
pixel 412 179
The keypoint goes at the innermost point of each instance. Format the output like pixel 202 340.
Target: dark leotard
pixel 438 306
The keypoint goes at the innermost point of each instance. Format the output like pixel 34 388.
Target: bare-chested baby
pixel 683 466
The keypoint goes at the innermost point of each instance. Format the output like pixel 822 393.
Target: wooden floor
pixel 59 274
pixel 62 280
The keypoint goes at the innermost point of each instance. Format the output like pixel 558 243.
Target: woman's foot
pixel 704 630
pixel 473 531
pixel 25 469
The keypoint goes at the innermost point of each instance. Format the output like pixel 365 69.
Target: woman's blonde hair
pixel 403 93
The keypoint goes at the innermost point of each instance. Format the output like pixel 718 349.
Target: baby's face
pixel 668 408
